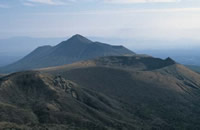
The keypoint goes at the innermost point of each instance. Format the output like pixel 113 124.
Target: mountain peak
pixel 78 35
pixel 79 38
pixel 77 48
pixel 169 60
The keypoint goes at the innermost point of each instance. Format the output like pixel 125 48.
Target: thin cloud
pixel 48 2
pixel 4 6
pixel 63 2
pixel 131 11
pixel 139 1
pixel 28 4
pixel 123 11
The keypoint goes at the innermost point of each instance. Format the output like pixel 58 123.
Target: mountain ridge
pixel 77 48
pixel 136 62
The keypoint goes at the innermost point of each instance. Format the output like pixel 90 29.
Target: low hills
pixel 76 48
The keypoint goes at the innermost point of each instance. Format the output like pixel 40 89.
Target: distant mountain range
pixel 75 49
pixel 194 68
pixel 106 93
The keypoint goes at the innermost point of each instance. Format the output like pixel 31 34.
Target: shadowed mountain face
pixel 158 93
pixel 77 48
pixel 32 100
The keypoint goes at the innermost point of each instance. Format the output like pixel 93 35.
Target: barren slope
pixel 159 92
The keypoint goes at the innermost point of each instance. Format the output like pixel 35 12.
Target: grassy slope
pixel 34 100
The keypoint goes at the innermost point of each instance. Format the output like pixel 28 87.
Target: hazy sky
pixel 140 19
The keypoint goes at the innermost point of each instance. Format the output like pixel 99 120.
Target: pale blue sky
pixel 170 20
